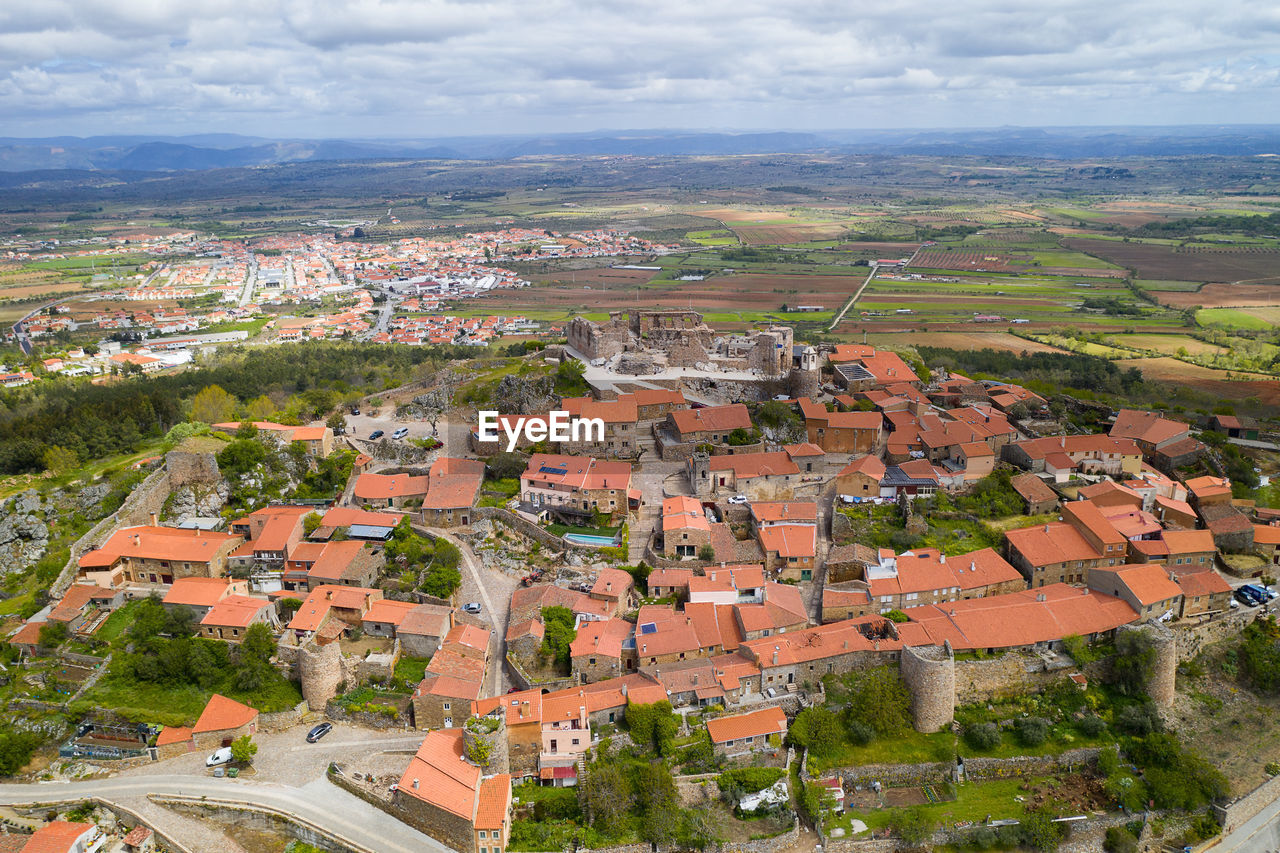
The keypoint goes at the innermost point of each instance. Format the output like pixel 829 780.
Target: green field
pixel 717 237
pixel 1179 286
pixel 1230 318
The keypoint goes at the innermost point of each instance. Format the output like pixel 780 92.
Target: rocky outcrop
pixel 24 537
pixel 198 500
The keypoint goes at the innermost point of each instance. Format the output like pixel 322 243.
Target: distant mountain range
pixel 217 151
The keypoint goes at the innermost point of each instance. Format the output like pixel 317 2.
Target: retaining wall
pixel 263 817
pixel 765 845
pixel 1235 814
pixel 281 720
pixel 1192 639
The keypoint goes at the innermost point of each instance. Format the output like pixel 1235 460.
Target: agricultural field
pixel 1235 318
pixel 1168 344
pixel 996 340
pixel 1187 263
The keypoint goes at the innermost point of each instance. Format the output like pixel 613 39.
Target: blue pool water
pixel 589 539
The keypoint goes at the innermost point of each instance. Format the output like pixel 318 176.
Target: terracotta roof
pixel 494 802
pixel 1189 541
pixel 338 561
pixel 612 584
pixel 167 543
pixel 766 721
pixel 468 639
pixel 383 486
pixel 1148 582
pixel 683 513
pixel 789 511
pixel 197 592
pixel 1047 544
pixel 789 540
pixel 27 635
pixel 601 638
pixel 425 620
pixel 453 483
pixel 712 419
pixel 926 570
pixel 137 835
pixel 1032 488
pixel 1207 486
pixel 679 577
pixel 73 601
pixel 223 714
pixel 576 472
pixel 235 611
pixel 173 734
pixel 345 516
pixel 870 466
pixel 387 611
pixel 833 597
pixel 1207 582
pixel 623 410
pixel 1146 426
pixel 57 837
pixel 448 686
pixel 439 775
pixel 1266 534
pixel 745 466
pixel 318 602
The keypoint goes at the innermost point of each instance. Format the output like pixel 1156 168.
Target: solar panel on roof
pixel 547 469
pixel 648 628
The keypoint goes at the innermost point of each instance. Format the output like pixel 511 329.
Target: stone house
pixel 1146 588
pixel 199 595
pixel 159 555
pixel 842 432
pixel 222 721
pixel 746 733
pixel 577 486
pixel 422 628
pixel 231 618
pixel 1037 497
pixel 685 528
pixel 1204 592
pixel 453 487
pixel 710 425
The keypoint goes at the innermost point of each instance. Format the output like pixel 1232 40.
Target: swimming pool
pixel 589 539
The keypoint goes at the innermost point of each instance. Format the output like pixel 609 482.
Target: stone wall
pixel 147 498
pixel 369 719
pixel 764 845
pixel 1011 674
pixel 1236 813
pixel 527 528
pixel 929 672
pixel 186 468
pixel 979 769
pixel 279 721
pixel 1192 639
pixel 261 817
pixel 320 671
pixel 1161 678
pixel 898 775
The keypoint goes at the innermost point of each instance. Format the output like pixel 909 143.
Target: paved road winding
pixel 319 803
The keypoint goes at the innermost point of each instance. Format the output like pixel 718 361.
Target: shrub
pixel 859 734
pixel 1032 731
pixel 982 736
pixel 748 780
pixel 1091 725
pixel 1120 840
pixel 912 826
pixel 1138 720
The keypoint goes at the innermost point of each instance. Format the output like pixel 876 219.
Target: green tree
pixel 258 644
pixel 606 797
pixel 16 749
pixel 818 731
pixel 60 460
pixel 876 697
pixel 558 634
pixel 1039 831
pixel 213 405
pixel 1133 662
pixel 243 749
pixel 913 826
pixel 240 456
pixel 707 553
pixel 655 792
pixel 53 634
pixel 260 408
pixel 310 522
pixel 441 581
pixel 506 466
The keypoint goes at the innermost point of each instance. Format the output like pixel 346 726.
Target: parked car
pixel 355 410
pixel 377 433
pixel 318 732
pixel 221 756
pixel 472 607
pixel 1247 597
pixel 400 433
pixel 1259 591
pixel 738 499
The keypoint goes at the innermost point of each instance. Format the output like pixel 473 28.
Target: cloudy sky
pixel 402 68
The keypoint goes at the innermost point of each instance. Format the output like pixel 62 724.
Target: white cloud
pixel 445 67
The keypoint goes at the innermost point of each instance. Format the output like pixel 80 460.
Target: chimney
pixel 1046 528
pixel 415 784
pixel 137 540
pixel 775 657
pixel 155 521
pixel 942 559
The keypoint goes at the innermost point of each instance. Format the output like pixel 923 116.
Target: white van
pixel 222 756
pixel 400 433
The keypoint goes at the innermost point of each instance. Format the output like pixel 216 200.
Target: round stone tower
pixel 930 674
pixel 320 671
pixel 487 736
pixel 806 380
pixel 1162 677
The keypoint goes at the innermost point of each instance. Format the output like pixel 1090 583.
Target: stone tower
pixel 930 674
pixel 700 472
pixel 320 671
pixel 1164 669
pixel 806 380
pixel 490 729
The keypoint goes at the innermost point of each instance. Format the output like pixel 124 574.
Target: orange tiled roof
pixel 766 721
pixel 494 802
pixel 437 774
pixel 223 714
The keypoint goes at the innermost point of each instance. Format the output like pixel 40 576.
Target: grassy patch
pixel 910 748
pixel 973 802
pixel 411 670
pixel 1231 318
